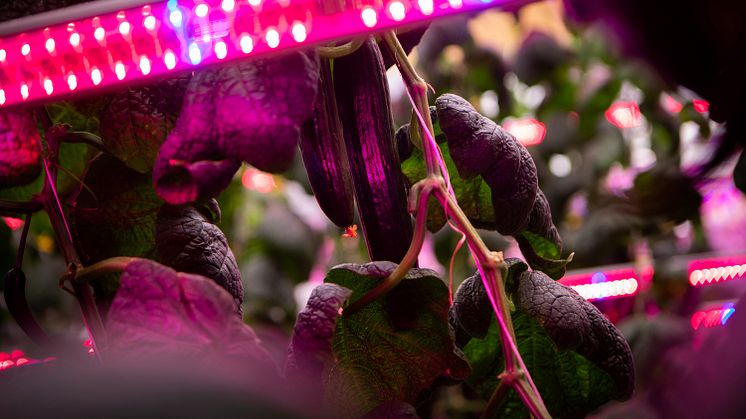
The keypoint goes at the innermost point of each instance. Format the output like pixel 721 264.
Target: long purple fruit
pixel 364 107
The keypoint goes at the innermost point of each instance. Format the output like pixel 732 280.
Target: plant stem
pixel 110 265
pixel 489 263
pixel 53 207
pixel 83 137
pixel 341 50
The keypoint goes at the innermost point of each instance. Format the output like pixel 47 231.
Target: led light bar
pixel 600 285
pixel 712 317
pixel 108 43
pixel 717 269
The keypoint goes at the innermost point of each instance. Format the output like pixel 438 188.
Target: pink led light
pixel 169 59
pixel 714 270
pixel 527 131
pixel 614 283
pixel 712 317
pixel 369 17
pixel 96 76
pixel 256 180
pixel 144 65
pixel 113 41
pixel 272 37
pixel 397 11
pixel 247 44
pixel 119 70
pixel 221 51
pixel 72 82
pixel 48 86
pixel 700 105
pixel 624 114
pixel 299 32
pixel 2 97
pixel 149 23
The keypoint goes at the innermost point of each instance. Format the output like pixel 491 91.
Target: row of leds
pixel 713 317
pixel 714 270
pixel 602 290
pixel 700 277
pixel 123 46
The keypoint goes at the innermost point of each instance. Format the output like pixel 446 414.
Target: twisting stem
pixel 489 263
pixel 53 207
pixel 110 265
pixel 341 50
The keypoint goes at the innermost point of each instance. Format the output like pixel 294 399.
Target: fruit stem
pixel 341 50
pixel 53 207
pixel 111 265
pixel 489 263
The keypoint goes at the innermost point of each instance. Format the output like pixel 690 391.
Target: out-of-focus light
pixel 228 5
pixel 25 49
pixel 119 70
pixel 426 6
pixel 369 16
pixel 246 44
pixel 96 76
pixel 256 180
pixel 624 114
pixel 201 10
pixel 456 4
pixel 560 165
pixel 255 3
pixel 221 50
pixel 601 285
pixel 125 28
pixel 670 104
pixel 713 317
pixel 99 34
pixel 527 131
pixel 48 86
pixel 72 82
pixel 144 65
pixel 24 91
pixel 13 223
pixel 3 55
pixel 273 38
pixel 169 59
pixel 195 55
pixel 49 45
pixel 397 10
pixel 488 104
pixel 2 97
pixel 700 105
pixel 713 270
pixel 176 18
pixel 299 32
pixel 149 23
pixel 75 39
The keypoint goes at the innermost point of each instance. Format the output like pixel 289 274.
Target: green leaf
pixel 543 254
pixel 116 217
pixel 81 116
pixel 569 384
pixel 395 347
pixel 473 195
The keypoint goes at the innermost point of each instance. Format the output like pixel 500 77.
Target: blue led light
pixel 176 18
pixel 598 277
pixel 195 55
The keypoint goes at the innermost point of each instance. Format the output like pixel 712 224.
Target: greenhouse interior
pixel 501 209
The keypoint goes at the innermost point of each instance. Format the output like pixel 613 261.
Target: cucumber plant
pixel 154 275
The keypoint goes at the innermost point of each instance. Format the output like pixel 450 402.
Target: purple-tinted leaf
pixel 188 241
pixel 20 148
pixel 135 122
pixel 250 111
pixel 311 346
pixel 158 311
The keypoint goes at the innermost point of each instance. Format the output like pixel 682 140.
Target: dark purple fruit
pixel 324 155
pixel 364 107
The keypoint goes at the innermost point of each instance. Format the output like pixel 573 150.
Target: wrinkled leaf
pixel 542 254
pixel 310 350
pixel 570 385
pixel 250 111
pixel 134 127
pixel 20 148
pixel 188 241
pixel 394 348
pixel 160 312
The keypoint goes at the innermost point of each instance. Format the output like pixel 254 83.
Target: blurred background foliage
pixel 614 145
